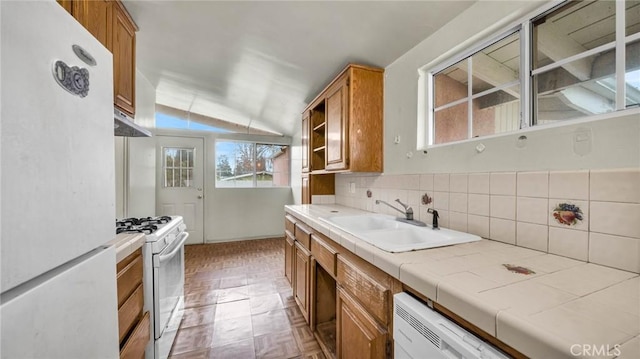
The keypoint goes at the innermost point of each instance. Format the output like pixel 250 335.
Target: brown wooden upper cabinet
pixel 337 135
pixel 111 24
pixel 345 123
pixel 124 60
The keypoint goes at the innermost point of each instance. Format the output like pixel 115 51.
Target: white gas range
pixel 163 255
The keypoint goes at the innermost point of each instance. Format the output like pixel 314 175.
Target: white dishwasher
pixel 419 332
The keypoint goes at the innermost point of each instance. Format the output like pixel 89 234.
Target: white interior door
pixel 180 180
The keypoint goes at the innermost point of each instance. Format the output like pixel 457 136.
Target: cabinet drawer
pixel 129 278
pixel 290 224
pixel 130 312
pixel 324 254
pixel 135 345
pixel 303 235
pixel 372 295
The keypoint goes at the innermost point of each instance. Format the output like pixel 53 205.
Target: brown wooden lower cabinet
pixel 134 346
pixel 301 282
pixel 289 250
pixel 359 336
pixel 133 324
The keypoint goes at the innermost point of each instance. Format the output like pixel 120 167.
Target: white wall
pixel 239 213
pixel 141 199
pixel 296 163
pixel 615 143
pixel 136 159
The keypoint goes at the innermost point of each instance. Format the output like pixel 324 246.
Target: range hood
pixel 124 126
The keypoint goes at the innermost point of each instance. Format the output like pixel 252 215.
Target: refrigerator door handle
pixel 161 258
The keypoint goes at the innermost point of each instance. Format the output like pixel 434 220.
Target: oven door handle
pixel 179 243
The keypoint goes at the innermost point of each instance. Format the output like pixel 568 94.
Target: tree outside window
pixel 250 164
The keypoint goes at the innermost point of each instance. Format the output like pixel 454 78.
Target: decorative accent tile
pixel 532 210
pixel 620 185
pixel 503 207
pixel 569 184
pixel 534 236
pixel 478 183
pixel 567 214
pixel 533 184
pixel 616 218
pixel 503 183
pixel 459 182
pixel 569 243
pixel 561 213
pixel 518 269
pixel 426 199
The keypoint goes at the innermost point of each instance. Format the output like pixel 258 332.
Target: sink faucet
pixel 408 211
pixel 435 217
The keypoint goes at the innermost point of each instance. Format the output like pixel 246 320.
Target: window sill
pixel 605 116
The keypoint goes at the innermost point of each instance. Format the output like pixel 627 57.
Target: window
pixel 479 95
pixel 581 58
pixel 250 164
pixel 178 166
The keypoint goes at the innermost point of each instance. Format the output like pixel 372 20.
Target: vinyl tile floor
pixel 238 304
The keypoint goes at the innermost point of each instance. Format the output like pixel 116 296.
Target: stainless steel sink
pixel 393 236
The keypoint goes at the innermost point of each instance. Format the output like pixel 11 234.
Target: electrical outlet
pixel 352 187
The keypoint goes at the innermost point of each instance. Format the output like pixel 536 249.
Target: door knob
pixel 199 196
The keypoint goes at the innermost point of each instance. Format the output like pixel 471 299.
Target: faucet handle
pixel 406 207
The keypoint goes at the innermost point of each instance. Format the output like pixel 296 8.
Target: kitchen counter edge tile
pixel 476 305
pixel 126 243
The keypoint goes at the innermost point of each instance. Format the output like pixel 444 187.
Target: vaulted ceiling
pixel 257 64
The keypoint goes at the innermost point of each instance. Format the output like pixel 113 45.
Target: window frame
pixel 524 25
pixel 254 181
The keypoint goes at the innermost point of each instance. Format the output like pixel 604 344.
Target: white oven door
pixel 168 288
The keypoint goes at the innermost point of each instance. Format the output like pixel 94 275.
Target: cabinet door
pixel 67 5
pixel 301 283
pixel 306 196
pixel 288 257
pixel 359 336
pixel 124 59
pixel 305 141
pixel 96 16
pixel 337 109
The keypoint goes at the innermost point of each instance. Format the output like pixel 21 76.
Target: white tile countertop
pixel 566 308
pixel 127 243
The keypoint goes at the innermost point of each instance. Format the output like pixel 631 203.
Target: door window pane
pixel 178 167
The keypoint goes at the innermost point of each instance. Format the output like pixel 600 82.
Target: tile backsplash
pixel 592 216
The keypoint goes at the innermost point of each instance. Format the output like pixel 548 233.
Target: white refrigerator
pixel 58 277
